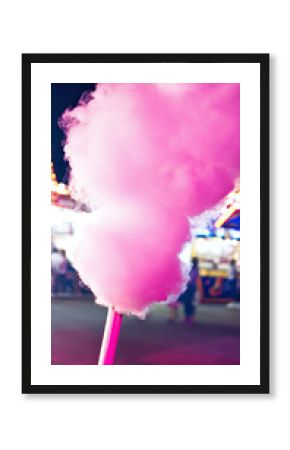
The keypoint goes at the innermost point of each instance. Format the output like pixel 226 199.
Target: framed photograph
pixel 145 223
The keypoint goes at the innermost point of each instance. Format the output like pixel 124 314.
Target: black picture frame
pixel 263 61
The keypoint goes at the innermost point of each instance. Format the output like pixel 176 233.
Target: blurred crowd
pixel 65 281
pixel 64 278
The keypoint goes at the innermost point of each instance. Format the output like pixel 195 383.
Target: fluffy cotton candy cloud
pixel 119 251
pixel 146 157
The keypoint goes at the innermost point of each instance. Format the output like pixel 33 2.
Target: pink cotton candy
pixel 146 157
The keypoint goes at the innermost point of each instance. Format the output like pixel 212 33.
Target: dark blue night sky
pixel 63 96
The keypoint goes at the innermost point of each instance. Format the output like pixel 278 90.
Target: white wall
pixel 104 422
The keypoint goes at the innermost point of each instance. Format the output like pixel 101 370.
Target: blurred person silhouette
pixel 188 297
pixel 59 267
